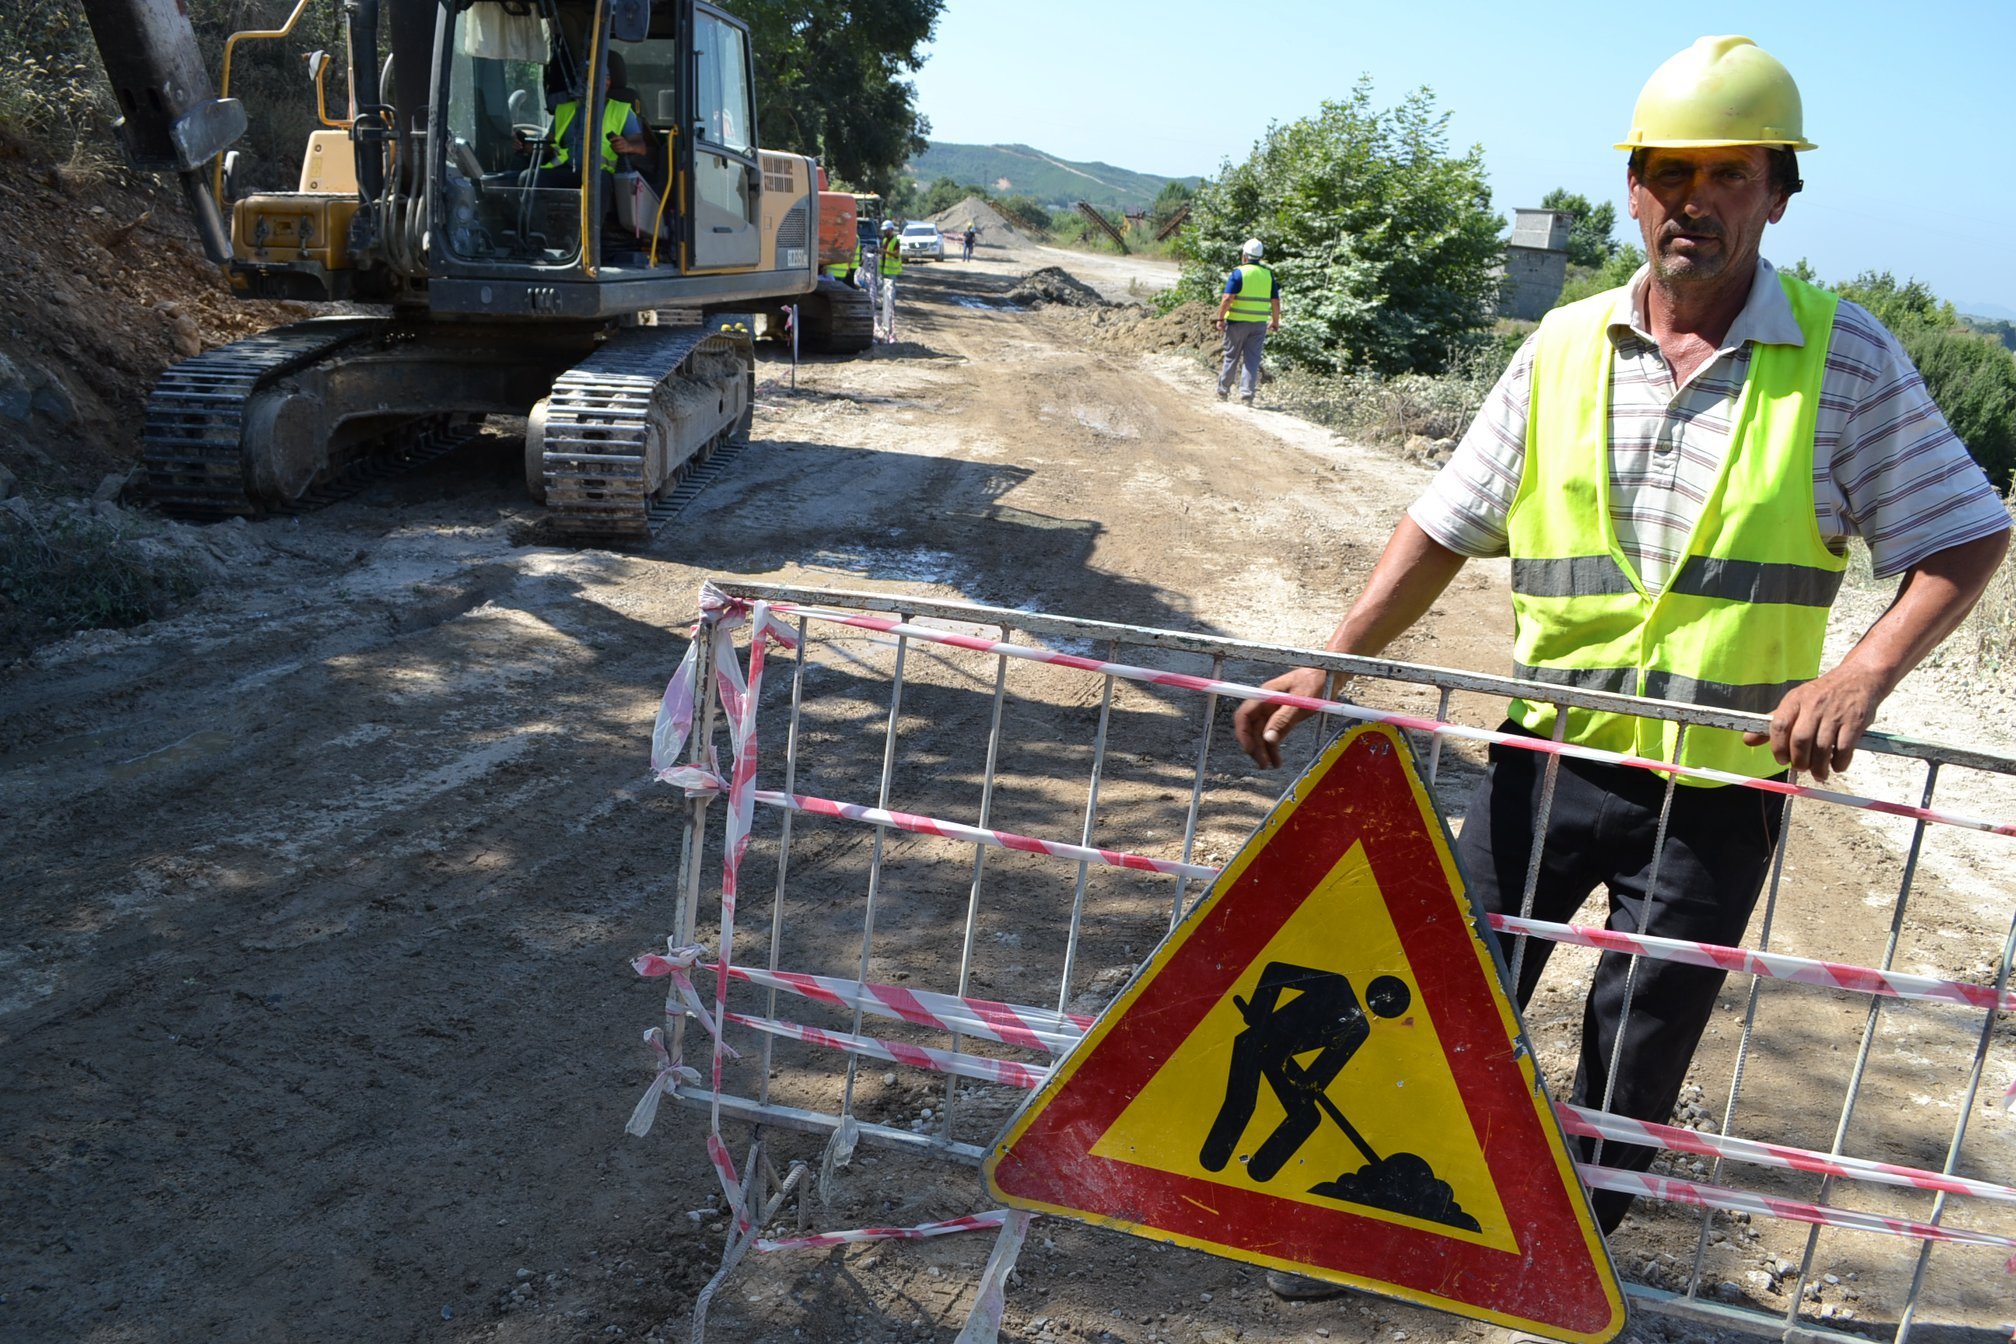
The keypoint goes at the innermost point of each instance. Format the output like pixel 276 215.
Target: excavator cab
pixel 535 209
pixel 563 208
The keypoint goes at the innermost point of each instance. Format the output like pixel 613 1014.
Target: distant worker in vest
pixel 1249 308
pixel 889 266
pixel 967 239
pixel 622 133
pixel 1675 469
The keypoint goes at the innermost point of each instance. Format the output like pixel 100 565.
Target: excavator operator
pixel 622 133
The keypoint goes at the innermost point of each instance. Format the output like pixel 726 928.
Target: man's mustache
pixel 1700 228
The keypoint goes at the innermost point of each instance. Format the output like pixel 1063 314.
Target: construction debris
pixel 1053 284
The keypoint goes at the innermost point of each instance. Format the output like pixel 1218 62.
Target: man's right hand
pixel 1260 725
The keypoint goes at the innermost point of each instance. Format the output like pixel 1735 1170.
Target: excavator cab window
pixel 501 206
pixel 727 181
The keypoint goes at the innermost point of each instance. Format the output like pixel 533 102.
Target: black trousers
pixel 1602 829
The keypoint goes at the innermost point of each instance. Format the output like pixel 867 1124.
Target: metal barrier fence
pixel 970 824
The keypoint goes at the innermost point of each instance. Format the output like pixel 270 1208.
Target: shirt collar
pixel 1766 317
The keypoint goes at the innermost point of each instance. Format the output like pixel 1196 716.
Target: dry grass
pixel 1989 635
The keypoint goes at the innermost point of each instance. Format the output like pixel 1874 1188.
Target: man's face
pixel 1703 211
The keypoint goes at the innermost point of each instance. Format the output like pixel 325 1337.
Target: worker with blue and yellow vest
pixel 1249 308
pixel 888 265
pixel 621 133
pixel 1675 469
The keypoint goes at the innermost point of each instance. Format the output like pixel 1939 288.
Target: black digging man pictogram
pixel 1299 1011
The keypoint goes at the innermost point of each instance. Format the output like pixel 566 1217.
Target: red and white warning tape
pixel 1772 965
pixel 1721 1197
pixel 1574 1119
pixel 952 830
pixel 1008 1072
pixel 1622 1129
pixel 1011 1024
pixel 1152 676
pixel 1051 1033
pixel 973 1222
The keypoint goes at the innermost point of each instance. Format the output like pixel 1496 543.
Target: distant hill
pixel 1016 170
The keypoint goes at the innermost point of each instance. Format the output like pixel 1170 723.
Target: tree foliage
pixel 1903 307
pixel 1973 380
pixel 1174 196
pixel 1589 237
pixel 1385 243
pixel 1616 270
pixel 943 195
pixel 830 81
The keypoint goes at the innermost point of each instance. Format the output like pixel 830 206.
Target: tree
pixel 1589 240
pixel 1616 270
pixel 1904 308
pixel 1973 380
pixel 943 194
pixel 829 81
pixel 1174 196
pixel 1385 244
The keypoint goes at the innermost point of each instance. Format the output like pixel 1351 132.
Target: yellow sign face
pixel 1318 1070
pixel 1386 1086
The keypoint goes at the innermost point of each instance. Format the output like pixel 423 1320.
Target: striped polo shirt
pixel 1886 467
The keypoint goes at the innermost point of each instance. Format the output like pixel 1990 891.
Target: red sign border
pixel 1364 785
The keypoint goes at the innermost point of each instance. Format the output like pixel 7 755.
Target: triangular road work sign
pixel 1319 1071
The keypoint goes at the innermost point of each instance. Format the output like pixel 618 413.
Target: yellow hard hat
pixel 1720 91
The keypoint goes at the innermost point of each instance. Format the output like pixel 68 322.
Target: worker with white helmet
pixel 888 265
pixel 1249 308
pixel 1675 469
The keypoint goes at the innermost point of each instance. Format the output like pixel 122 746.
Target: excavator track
pixel 626 426
pixel 192 453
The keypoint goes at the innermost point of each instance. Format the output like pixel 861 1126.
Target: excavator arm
pixel 170 117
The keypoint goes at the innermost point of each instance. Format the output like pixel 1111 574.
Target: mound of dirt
pixel 995 230
pixel 103 286
pixel 1185 329
pixel 1054 284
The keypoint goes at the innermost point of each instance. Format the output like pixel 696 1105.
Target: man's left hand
pixel 1816 727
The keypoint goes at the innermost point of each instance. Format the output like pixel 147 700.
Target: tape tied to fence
pixel 739 696
pixel 961 1015
pixel 1345 709
pixel 1769 965
pixel 1700 1195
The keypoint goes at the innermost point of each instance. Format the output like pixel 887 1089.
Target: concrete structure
pixel 1536 262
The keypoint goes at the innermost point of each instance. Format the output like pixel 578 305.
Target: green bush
pixel 1973 380
pixel 71 570
pixel 1585 282
pixel 1589 240
pixel 1385 243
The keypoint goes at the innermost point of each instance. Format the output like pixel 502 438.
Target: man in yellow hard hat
pixel 1675 469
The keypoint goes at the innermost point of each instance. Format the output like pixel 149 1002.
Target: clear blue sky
pixel 1910 104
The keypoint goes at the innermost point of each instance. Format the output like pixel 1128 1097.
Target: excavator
pixel 494 252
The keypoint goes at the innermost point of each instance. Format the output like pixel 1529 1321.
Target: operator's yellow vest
pixel 615 115
pixel 892 256
pixel 1742 619
pixel 1255 300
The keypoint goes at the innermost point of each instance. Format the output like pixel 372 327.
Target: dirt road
pixel 317 1017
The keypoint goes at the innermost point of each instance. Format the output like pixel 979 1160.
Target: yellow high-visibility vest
pixel 615 116
pixel 1255 300
pixel 1741 621
pixel 892 256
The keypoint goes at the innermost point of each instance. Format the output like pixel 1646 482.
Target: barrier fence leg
pixel 983 1323
pixel 756 1212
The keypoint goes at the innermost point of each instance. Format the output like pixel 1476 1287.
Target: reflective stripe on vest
pixel 892 256
pixel 1255 300
pixel 615 116
pixel 1743 618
